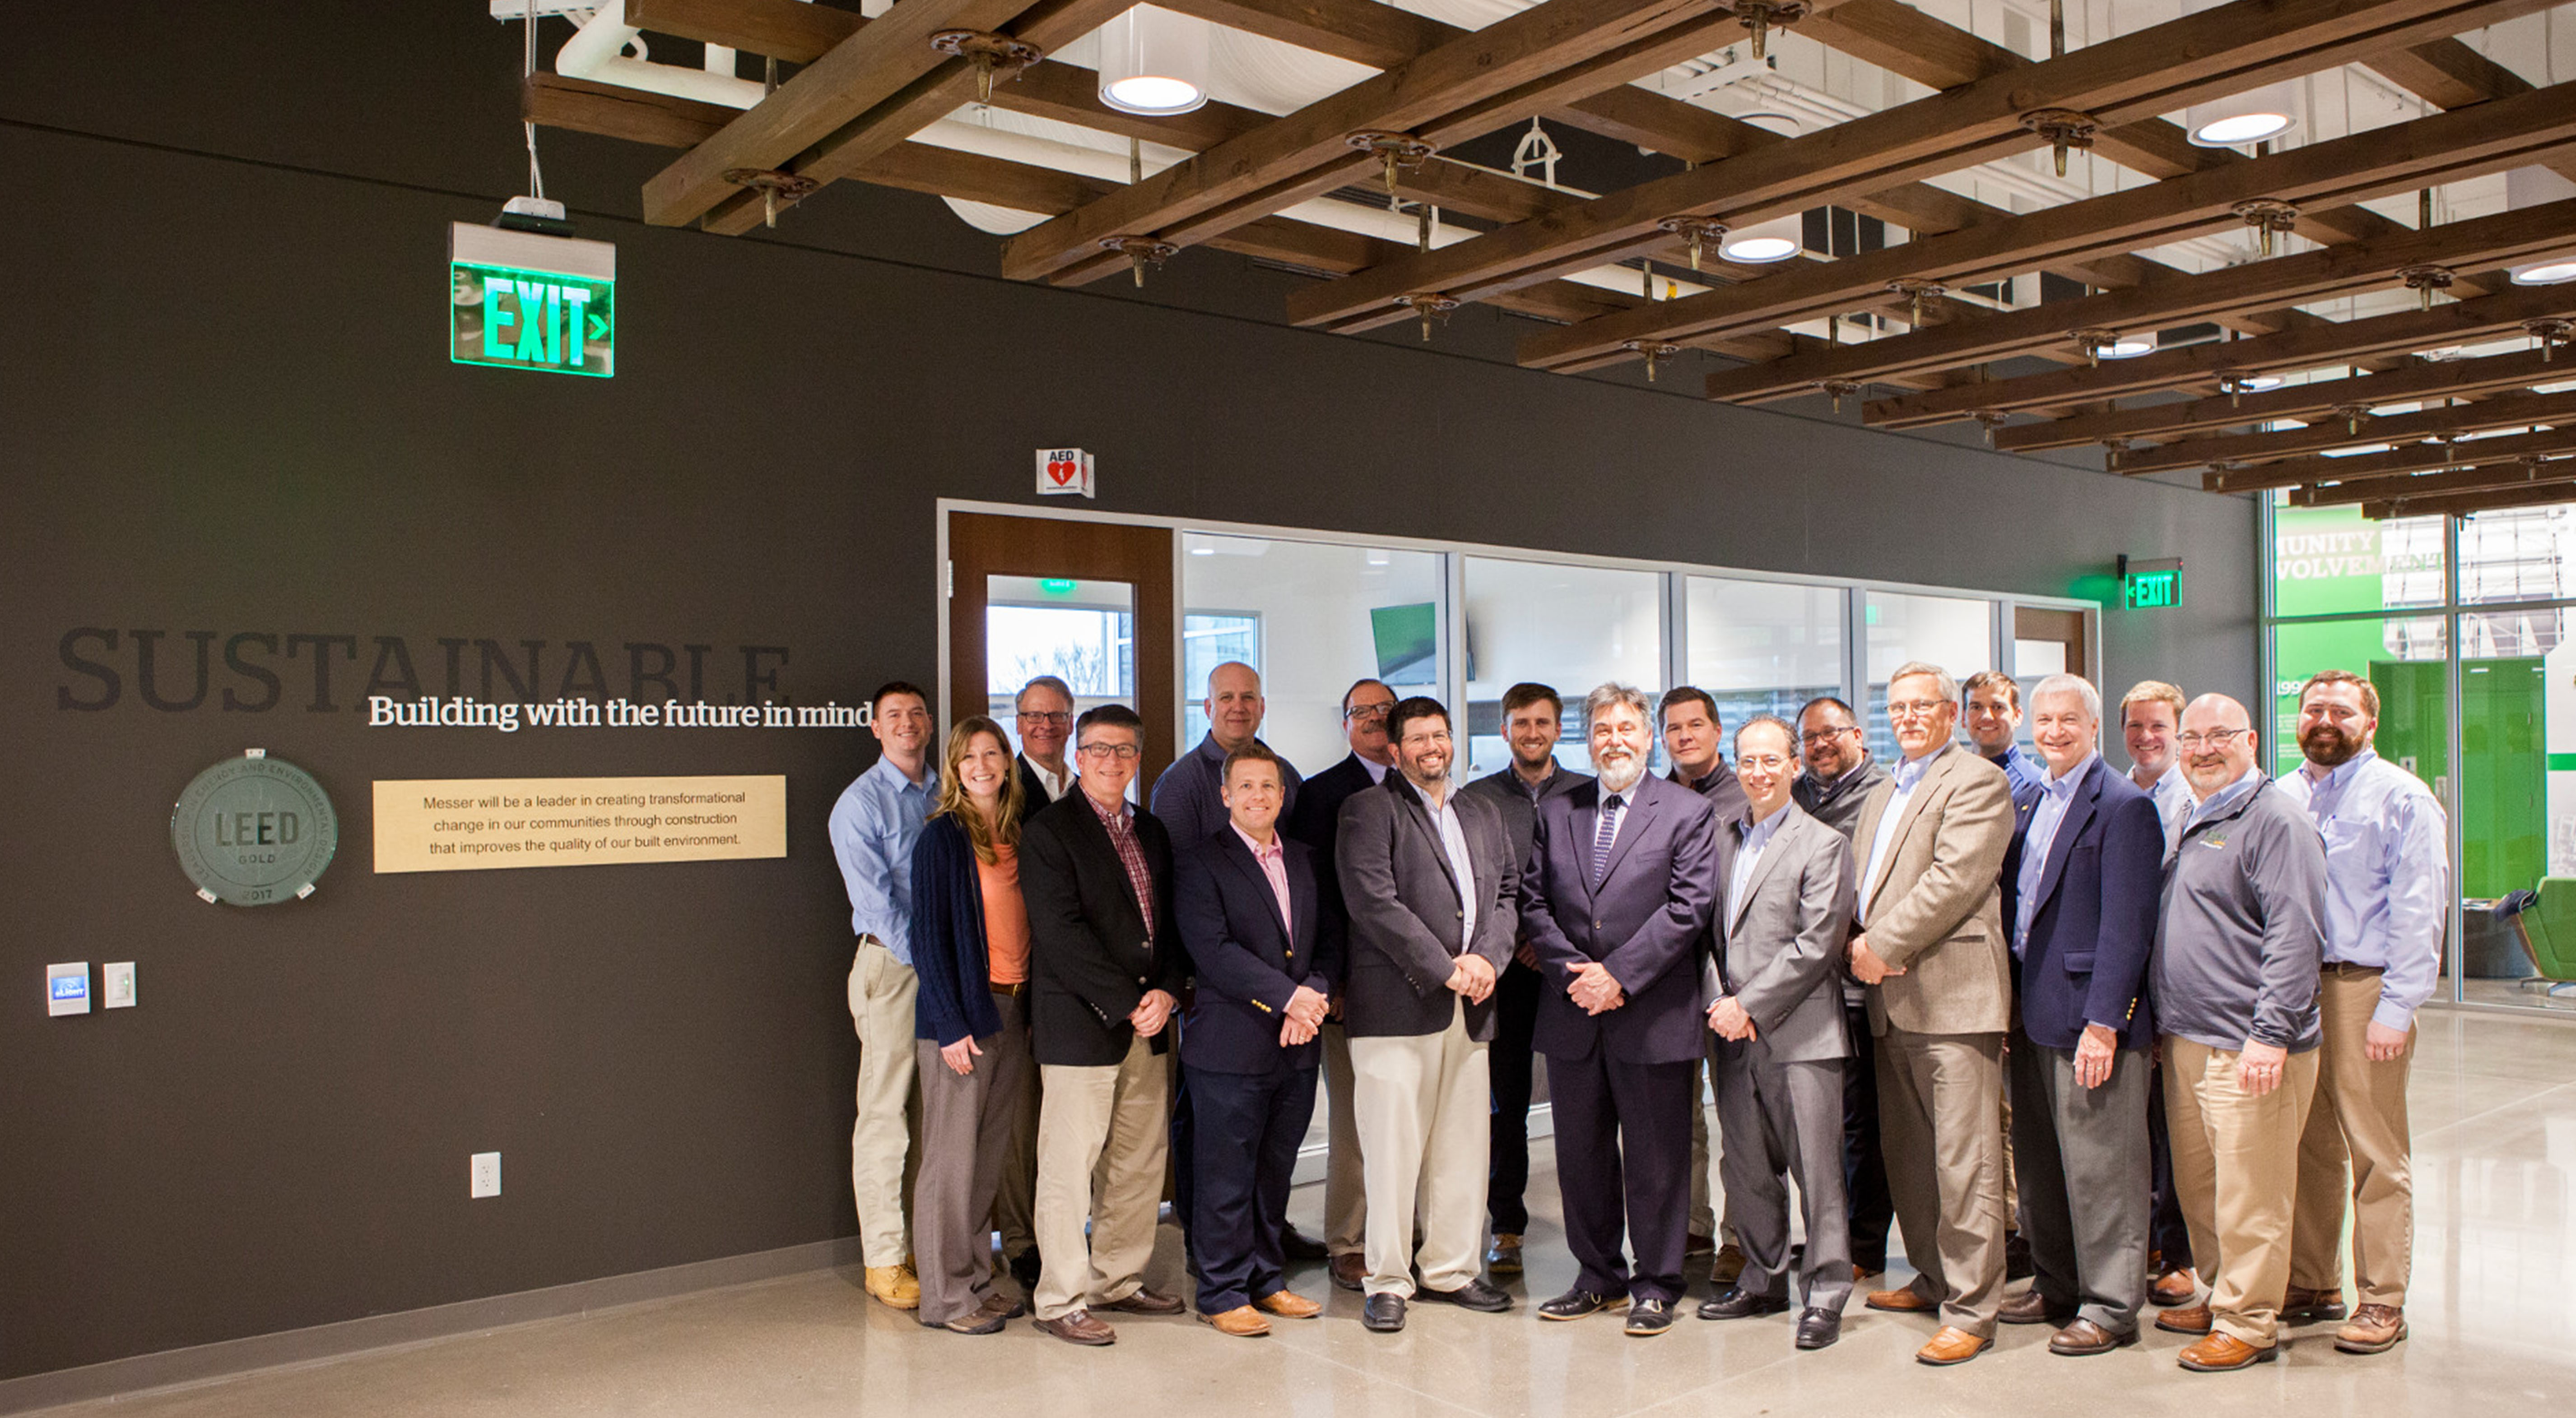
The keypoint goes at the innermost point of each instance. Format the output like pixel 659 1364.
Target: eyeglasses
pixel 1033 716
pixel 1123 752
pixel 1916 708
pixel 1364 713
pixel 2215 738
pixel 1825 736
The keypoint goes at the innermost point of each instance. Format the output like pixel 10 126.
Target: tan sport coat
pixel 1933 910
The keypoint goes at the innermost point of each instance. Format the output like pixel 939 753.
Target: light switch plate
pixel 67 988
pixel 116 985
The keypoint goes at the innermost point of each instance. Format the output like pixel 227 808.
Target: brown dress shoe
pixel 1243 1322
pixel 1503 1257
pixel 2190 1319
pixel 1079 1327
pixel 2373 1329
pixel 2031 1307
pixel 1904 1300
pixel 2085 1337
pixel 2300 1305
pixel 2221 1352
pixel 1728 1266
pixel 2175 1287
pixel 1349 1270
pixel 1146 1302
pixel 1952 1345
pixel 1289 1305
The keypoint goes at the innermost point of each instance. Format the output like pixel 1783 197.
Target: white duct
pixel 597 52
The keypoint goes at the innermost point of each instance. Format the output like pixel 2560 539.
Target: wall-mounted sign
pixel 521 300
pixel 2151 585
pixel 469 824
pixel 254 831
pixel 1064 472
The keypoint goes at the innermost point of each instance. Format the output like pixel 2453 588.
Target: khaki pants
pixel 2360 1113
pixel 1425 1105
pixel 1103 1134
pixel 2236 1165
pixel 1939 1119
pixel 1345 1195
pixel 885 1146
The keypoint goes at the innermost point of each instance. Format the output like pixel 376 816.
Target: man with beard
pixel 1836 780
pixel 1533 717
pixel 1619 888
pixel 2234 982
pixel 2387 879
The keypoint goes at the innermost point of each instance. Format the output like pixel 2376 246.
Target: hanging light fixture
pixel 1764 242
pixel 2533 187
pixel 1154 62
pixel 2256 116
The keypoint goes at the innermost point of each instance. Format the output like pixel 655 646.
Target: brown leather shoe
pixel 2189 1319
pixel 1904 1300
pixel 2085 1337
pixel 2373 1329
pixel 2175 1287
pixel 1503 1257
pixel 1289 1305
pixel 1079 1327
pixel 1728 1265
pixel 1952 1345
pixel 2300 1305
pixel 2221 1352
pixel 1698 1245
pixel 1349 1270
pixel 1243 1322
pixel 1146 1302
pixel 2031 1307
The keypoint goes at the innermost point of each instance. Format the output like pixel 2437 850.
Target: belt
pixel 1013 991
pixel 2349 968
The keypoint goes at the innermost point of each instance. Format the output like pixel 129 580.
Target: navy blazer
pixel 954 1000
pixel 1645 922
pixel 1247 960
pixel 2095 928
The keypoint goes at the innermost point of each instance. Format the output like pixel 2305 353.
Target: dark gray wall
pixel 228 410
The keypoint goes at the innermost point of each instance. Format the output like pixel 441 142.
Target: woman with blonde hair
pixel 970 947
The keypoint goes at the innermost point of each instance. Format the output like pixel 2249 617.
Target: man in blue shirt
pixel 873 828
pixel 2388 890
pixel 1990 707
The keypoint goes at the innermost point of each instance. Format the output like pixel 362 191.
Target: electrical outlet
pixel 487 1174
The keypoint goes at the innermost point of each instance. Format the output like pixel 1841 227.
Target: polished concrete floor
pixel 2493 1322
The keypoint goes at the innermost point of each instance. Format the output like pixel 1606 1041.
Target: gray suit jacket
pixel 1934 909
pixel 1407 909
pixel 1782 947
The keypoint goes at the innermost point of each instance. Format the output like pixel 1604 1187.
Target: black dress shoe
pixel 1575 1304
pixel 1474 1295
pixel 1647 1318
pixel 2017 1262
pixel 1025 1268
pixel 1383 1314
pixel 1297 1245
pixel 1819 1327
pixel 1739 1303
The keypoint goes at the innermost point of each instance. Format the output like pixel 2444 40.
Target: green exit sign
pixel 520 300
pixel 2152 585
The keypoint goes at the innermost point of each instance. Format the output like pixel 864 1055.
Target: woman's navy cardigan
pixel 955 999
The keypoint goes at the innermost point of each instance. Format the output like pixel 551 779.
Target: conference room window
pixel 1572 627
pixel 1311 617
pixel 1082 632
pixel 1955 632
pixel 1761 647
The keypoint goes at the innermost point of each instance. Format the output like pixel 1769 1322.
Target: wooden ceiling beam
pixel 2171 65
pixel 2517 472
pixel 1479 81
pixel 2470 503
pixel 2488 137
pixel 2476 244
pixel 2508 412
pixel 2413 458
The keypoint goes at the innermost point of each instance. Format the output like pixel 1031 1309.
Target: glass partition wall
pixel 2460 625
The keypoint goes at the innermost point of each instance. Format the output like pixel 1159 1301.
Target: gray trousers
pixel 2084 1181
pixel 966 1123
pixel 1780 1122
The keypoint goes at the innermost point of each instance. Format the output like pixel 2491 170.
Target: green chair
pixel 2549 930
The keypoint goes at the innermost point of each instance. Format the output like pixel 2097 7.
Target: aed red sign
pixel 1064 472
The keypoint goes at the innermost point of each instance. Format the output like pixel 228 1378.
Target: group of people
pixel 2150 1030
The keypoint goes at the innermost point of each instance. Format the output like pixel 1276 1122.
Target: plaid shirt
pixel 1131 855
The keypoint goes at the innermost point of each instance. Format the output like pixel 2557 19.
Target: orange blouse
pixel 1006 917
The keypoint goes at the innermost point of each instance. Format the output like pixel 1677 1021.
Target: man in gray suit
pixel 1428 881
pixel 1779 1045
pixel 1932 951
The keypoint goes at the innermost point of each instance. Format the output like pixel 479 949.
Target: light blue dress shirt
pixel 2056 792
pixel 2388 875
pixel 1748 855
pixel 1453 840
pixel 2172 797
pixel 873 827
pixel 1907 775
